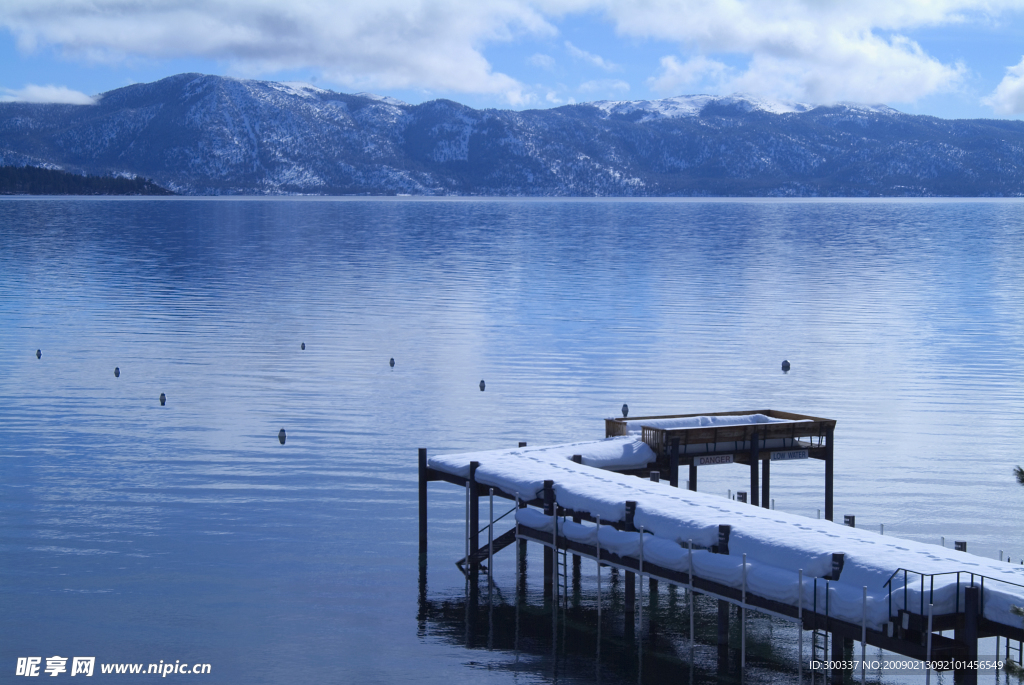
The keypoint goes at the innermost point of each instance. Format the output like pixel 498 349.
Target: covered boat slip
pixel 723 432
pixel 755 437
pixel 855 584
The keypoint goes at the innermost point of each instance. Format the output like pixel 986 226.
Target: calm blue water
pixel 133 532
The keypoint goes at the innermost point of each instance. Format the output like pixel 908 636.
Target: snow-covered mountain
pixel 211 135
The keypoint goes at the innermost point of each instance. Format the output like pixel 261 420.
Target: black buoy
pixel 482 386
pixel 163 399
pixel 117 372
pixel 625 410
pixel 281 436
pixel 785 365
pixel 39 354
pixel 392 362
pixel 303 345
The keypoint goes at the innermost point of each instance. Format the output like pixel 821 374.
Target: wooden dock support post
pixel 549 552
pixel 423 501
pixel 838 652
pixel 829 454
pixel 928 648
pixel 800 626
pixel 723 626
pixel 521 553
pixel 755 446
pixel 474 517
pixel 673 464
pixel 689 594
pixel 864 634
pixel 576 559
pixel 766 473
pixel 630 607
pixel 743 618
pixel 724 531
pixel 967 635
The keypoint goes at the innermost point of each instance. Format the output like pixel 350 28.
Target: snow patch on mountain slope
pixel 692 105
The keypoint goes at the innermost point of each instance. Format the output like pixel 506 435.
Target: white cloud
pixel 427 45
pixel 604 85
pixel 596 60
pixel 1008 97
pixel 675 76
pixel 546 62
pixel 814 50
pixel 46 94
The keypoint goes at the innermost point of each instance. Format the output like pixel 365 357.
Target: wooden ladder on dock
pixel 819 654
pixel 562 571
pixel 480 556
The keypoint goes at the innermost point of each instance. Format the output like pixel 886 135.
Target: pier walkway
pixel 582 499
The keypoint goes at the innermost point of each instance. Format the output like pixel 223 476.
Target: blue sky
pixel 947 58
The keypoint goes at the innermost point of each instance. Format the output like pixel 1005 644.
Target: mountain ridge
pixel 209 135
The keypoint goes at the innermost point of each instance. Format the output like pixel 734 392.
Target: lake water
pixel 135 532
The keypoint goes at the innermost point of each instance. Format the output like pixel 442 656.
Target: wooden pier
pixel 912 629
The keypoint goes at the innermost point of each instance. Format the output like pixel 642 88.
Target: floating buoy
pixel 785 365
pixel 281 436
pixel 625 410
pixel 482 386
pixel 163 399
pixel 117 372
pixel 303 345
pixel 39 354
pixel 392 362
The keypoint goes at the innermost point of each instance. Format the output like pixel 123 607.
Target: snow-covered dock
pixel 852 583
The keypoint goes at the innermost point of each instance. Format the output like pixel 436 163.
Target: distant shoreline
pixel 36 181
pixel 515 198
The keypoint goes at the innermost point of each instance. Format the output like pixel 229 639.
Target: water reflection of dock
pixel 813 576
pixel 580 646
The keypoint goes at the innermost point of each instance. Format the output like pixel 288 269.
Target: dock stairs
pixel 480 556
pixel 819 652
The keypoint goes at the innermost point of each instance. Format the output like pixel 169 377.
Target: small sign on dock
pixel 713 459
pixel 786 455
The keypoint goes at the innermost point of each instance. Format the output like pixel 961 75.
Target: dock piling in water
pixel 755 447
pixel 549 554
pixel 673 464
pixel 474 517
pixel 423 500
